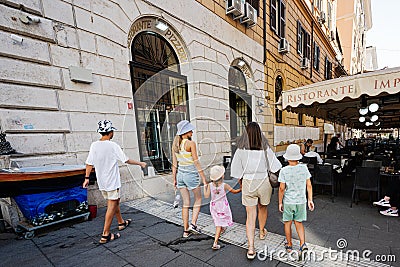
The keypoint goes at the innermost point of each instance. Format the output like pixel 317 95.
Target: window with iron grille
pixel 160 95
pixel 278 17
pixel 303 41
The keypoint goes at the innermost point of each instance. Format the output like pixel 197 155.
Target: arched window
pixel 160 95
pixel 236 79
pixel 152 50
pixel 278 93
pixel 239 102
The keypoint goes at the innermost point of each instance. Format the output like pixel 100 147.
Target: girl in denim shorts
pixel 186 172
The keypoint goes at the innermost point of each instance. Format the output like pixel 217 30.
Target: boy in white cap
pixel 104 156
pixel 294 180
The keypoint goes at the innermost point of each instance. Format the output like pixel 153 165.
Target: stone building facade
pixel 314 54
pixel 146 64
pixel 65 65
pixel 354 19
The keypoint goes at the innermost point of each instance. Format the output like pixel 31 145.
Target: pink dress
pixel 219 206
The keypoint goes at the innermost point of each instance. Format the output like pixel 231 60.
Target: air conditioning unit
pixel 236 8
pixel 322 17
pixel 333 35
pixel 305 63
pixel 250 16
pixel 284 46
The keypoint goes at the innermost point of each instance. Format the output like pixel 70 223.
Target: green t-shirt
pixel 295 178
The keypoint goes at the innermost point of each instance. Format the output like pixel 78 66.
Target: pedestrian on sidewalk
pixel 252 161
pixel 219 205
pixel 186 170
pixel 294 180
pixel 104 156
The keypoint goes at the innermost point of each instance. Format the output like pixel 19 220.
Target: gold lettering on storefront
pixel 170 35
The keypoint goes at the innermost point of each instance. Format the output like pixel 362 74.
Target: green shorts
pixel 295 212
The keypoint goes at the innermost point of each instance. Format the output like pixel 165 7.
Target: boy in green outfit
pixel 294 180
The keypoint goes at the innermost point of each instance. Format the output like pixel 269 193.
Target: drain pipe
pixel 265 30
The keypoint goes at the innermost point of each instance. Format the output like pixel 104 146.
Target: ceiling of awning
pixel 381 87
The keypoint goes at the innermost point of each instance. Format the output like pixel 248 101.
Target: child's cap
pixel 216 172
pixel 293 152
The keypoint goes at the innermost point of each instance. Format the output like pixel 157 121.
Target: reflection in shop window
pixel 160 94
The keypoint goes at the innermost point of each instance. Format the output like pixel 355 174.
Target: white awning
pixel 371 84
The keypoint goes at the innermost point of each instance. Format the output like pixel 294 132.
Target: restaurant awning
pixel 340 99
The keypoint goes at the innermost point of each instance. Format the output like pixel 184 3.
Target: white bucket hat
pixel 216 172
pixel 105 126
pixel 293 152
pixel 184 127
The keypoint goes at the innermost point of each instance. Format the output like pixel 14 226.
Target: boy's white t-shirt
pixel 104 156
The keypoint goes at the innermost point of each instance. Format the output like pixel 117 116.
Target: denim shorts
pixel 188 177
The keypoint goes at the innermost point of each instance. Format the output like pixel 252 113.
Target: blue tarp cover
pixel 33 206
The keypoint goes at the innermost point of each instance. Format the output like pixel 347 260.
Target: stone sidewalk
pixel 152 241
pixel 149 241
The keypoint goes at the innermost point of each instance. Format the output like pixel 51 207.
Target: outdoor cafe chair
pixel 366 179
pixel 311 162
pixel 339 172
pixel 323 175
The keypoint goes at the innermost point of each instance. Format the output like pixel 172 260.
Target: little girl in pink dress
pixel 219 205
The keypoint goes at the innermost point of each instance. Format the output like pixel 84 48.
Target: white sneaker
pixel 383 203
pixel 390 212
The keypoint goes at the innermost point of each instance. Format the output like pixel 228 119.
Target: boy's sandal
pixel 288 249
pixel 125 224
pixel 303 250
pixel 263 234
pixel 216 247
pixel 186 234
pixel 108 238
pixel 303 247
pixel 251 256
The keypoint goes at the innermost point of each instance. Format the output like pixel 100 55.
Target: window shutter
pixel 282 21
pixel 299 41
pixel 273 15
pixel 318 53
